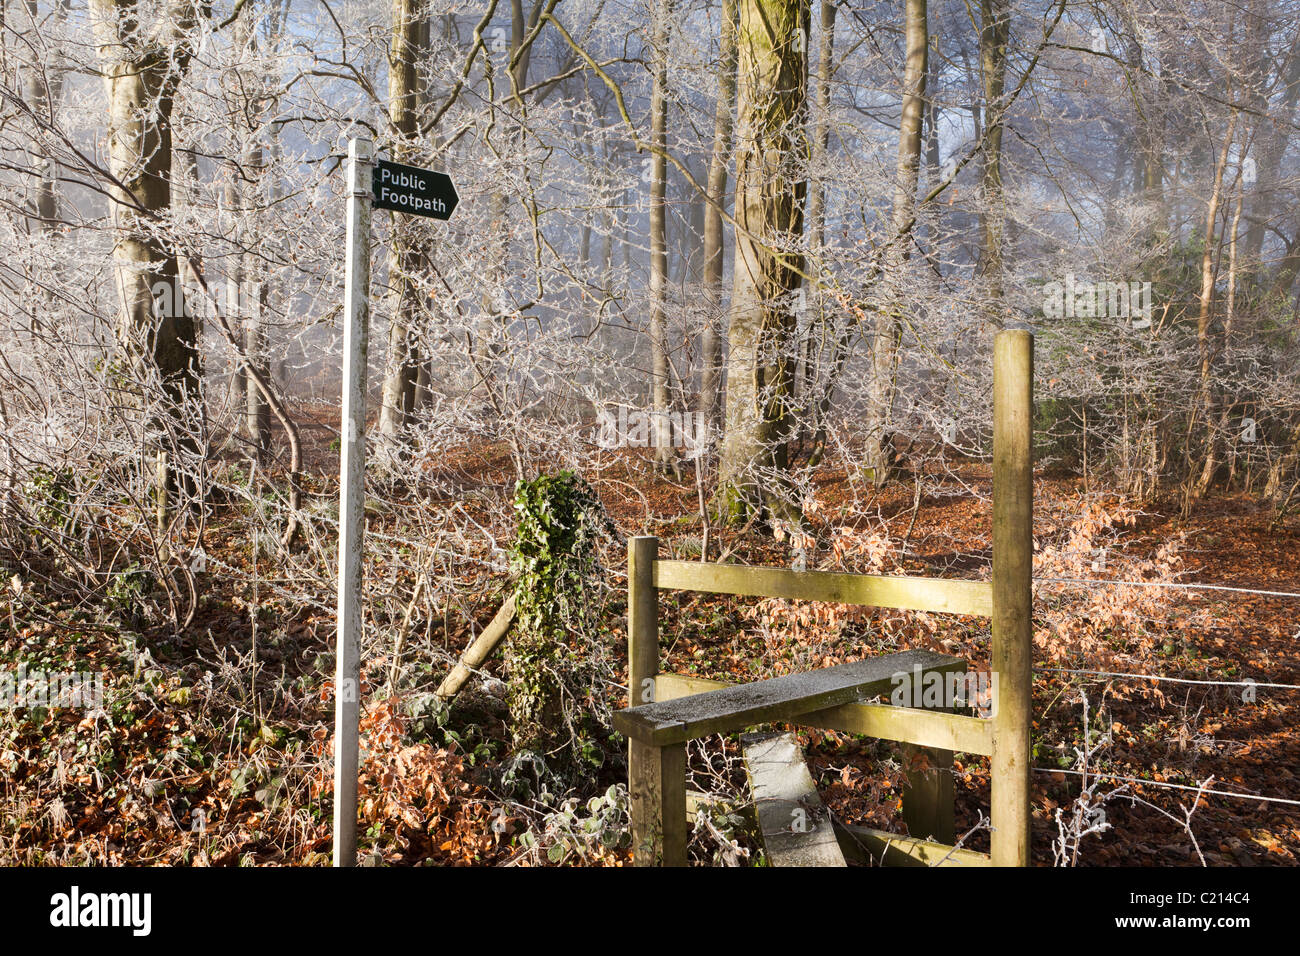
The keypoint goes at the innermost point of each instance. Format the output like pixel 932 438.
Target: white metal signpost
pixel 401 189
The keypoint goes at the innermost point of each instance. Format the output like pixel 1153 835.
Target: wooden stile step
pixel 869 847
pixel 925 728
pixel 796 828
pixel 777 699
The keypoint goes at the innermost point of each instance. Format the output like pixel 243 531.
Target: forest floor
pixel 1228 738
pixel 214 748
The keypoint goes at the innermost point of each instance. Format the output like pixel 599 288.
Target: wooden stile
pixel 865 845
pixel 928 728
pixel 666 710
pixel 656 774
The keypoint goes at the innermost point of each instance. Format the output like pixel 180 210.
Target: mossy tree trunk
pixel 556 663
pixel 995 25
pixel 142 64
pixel 769 261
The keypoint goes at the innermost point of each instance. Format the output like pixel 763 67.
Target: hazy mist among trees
pixel 767 241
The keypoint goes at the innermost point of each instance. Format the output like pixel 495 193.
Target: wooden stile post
pixel 1013 515
pixel 656 775
pixel 929 802
pixel 657 797
pixel 642 620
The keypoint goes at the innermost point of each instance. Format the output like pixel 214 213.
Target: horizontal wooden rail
pixel 672 686
pixel 925 728
pixel 742 706
pixel 948 596
pixel 865 845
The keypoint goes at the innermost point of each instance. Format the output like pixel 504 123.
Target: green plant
pixel 127 590
pixel 720 828
pixel 557 663
pixel 568 832
pixel 434 722
pixel 50 492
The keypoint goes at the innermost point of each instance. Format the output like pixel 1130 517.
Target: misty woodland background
pixel 799 224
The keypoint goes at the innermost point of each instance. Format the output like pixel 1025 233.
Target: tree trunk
pixel 1205 316
pixel 994 29
pixel 1150 140
pixel 257 411
pixel 408 251
pixel 257 414
pixel 711 340
pixel 43 88
pixel 663 450
pixel 827 346
pixel 155 332
pixel 235 303
pixel 888 325
pixel 768 264
pixel 933 157
pixel 1273 134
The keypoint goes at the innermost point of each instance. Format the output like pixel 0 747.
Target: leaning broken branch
pixel 479 651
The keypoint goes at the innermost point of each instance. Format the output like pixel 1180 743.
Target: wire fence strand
pixel 1181 585
pixel 1173 680
pixel 1173 786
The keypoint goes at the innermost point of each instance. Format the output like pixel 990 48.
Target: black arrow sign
pixel 411 189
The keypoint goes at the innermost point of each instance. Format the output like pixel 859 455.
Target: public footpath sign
pixel 414 190
pixel 422 192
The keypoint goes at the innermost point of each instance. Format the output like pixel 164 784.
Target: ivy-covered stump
pixel 558 663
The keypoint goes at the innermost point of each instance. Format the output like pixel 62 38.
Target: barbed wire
pixel 1174 680
pixel 1172 786
pixel 1168 584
